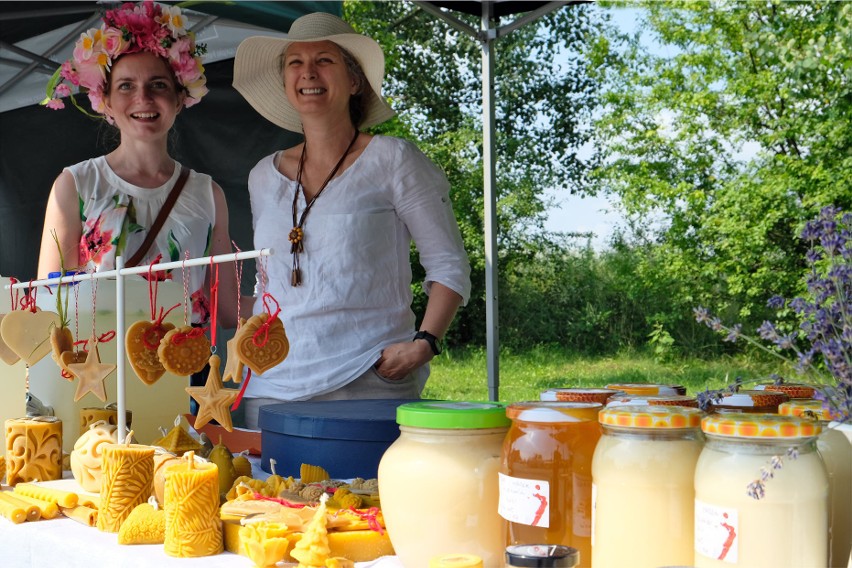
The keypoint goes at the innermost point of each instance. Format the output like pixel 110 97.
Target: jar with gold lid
pixel 742 519
pixel 753 401
pixel 546 474
pixel 643 469
pixel 836 451
pixel 648 389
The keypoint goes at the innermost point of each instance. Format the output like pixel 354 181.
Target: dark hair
pixel 357 102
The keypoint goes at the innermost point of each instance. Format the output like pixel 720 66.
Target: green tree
pixel 544 102
pixel 735 131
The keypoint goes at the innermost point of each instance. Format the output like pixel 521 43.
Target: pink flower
pixel 94 242
pixel 62 90
pixel 113 42
pixel 200 305
pixel 55 104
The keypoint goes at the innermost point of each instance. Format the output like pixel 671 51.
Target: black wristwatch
pixel 434 342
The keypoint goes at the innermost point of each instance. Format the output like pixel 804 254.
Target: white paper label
pixel 716 532
pixel 524 501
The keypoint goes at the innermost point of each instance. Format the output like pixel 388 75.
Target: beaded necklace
pixel 297 233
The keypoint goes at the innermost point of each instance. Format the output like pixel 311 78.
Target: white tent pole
pixel 492 343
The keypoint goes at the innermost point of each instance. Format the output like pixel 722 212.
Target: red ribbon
pixel 264 327
pixel 179 338
pixel 239 398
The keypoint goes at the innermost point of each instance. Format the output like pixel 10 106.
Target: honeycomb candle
pixel 127 480
pixel 33 449
pixel 193 527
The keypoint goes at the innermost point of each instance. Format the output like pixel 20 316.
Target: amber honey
pixel 546 474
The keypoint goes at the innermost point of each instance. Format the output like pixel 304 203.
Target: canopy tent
pixel 36 143
pixel 489 32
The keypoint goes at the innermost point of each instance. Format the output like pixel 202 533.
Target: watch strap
pixel 433 341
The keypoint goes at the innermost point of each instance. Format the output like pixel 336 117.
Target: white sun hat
pixel 258 78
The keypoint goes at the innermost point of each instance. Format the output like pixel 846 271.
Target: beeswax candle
pixel 48 509
pixel 15 513
pixel 33 513
pixel 193 527
pixel 33 449
pixel 109 414
pixel 127 476
pixel 58 496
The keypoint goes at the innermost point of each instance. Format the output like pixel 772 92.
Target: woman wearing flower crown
pixel 139 69
pixel 355 201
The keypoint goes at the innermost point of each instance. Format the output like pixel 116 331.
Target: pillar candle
pixel 127 475
pixel 89 416
pixel 193 527
pixel 33 449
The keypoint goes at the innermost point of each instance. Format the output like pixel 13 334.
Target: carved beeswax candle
pixel 89 416
pixel 193 527
pixel 33 449
pixel 127 476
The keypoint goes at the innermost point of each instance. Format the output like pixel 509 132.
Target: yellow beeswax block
pixel 33 449
pixel 13 512
pixel 82 514
pixel 32 511
pixel 127 479
pixel 58 496
pixel 191 500
pixel 49 509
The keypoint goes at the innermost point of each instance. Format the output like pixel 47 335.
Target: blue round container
pixel 345 437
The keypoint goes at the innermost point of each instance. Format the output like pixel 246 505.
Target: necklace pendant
pixel 296 277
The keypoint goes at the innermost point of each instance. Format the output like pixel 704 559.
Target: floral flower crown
pixel 131 28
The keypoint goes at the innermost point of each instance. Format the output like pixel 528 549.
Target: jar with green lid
pixel 642 473
pixel 438 482
pixel 836 451
pixel 780 522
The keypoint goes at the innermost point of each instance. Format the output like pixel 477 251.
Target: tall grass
pixel 460 374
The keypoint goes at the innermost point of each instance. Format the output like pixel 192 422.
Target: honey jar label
pixel 716 532
pixel 524 501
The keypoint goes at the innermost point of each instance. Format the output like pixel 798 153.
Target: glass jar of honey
pixel 546 474
pixel 438 482
pixel 761 493
pixel 643 469
pixel 836 451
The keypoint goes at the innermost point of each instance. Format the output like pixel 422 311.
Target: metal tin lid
pixel 449 414
pixel 793 390
pixel 648 389
pixel 456 561
pixel 554 412
pixel 651 417
pixel 759 426
pixel 542 556
pixel 751 399
pixel 635 399
pixel 585 395
pixel 799 407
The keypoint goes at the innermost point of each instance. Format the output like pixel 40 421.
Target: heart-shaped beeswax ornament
pixel 142 343
pixel 183 352
pixel 274 345
pixel 7 355
pixel 28 333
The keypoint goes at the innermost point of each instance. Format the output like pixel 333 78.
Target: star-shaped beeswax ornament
pixel 214 400
pixel 91 374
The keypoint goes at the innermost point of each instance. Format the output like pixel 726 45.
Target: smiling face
pixel 317 81
pixel 142 95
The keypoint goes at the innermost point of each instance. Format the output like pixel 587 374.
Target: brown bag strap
pixel 161 218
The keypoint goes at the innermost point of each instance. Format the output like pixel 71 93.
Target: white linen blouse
pixel 355 297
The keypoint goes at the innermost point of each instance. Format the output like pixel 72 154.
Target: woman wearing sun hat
pixel 341 210
pixel 138 69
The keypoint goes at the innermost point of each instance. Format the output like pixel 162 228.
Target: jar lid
pixel 751 399
pixel 645 416
pixel 739 425
pixel 456 561
pixel 799 407
pixel 636 399
pixel 793 390
pixel 542 556
pixel 648 389
pixel 554 411
pixel 585 395
pixel 452 414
